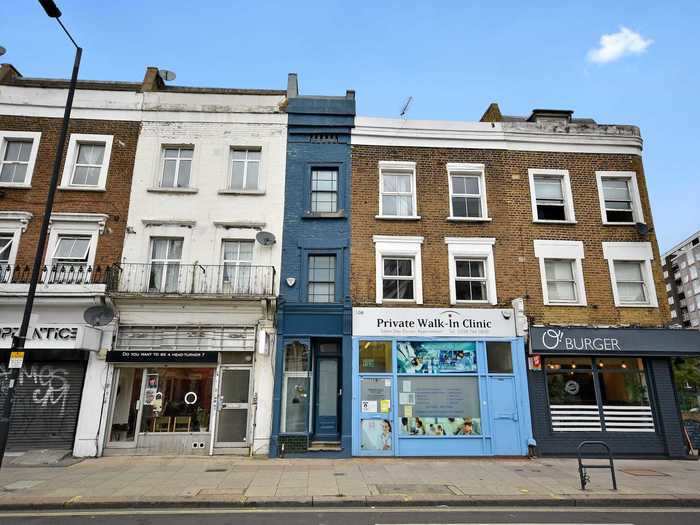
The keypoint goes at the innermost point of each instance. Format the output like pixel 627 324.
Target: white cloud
pixel 617 45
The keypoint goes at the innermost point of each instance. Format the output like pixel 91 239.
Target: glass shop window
pixel 375 356
pixel 622 382
pixel 570 381
pixel 177 400
pixel 498 355
pixel 297 386
pixel 439 406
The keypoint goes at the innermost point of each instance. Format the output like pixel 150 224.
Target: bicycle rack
pixel 585 478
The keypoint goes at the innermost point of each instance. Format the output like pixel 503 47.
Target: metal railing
pixel 54 274
pixel 235 280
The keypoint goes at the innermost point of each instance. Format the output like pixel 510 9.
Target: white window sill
pixel 619 223
pixel 402 301
pixel 241 192
pixel 469 219
pixel 398 217
pixel 81 188
pixel 12 185
pixel 549 303
pixel 648 305
pixel 542 221
pixel 471 302
pixel 172 190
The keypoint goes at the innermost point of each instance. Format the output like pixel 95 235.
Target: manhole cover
pixel 643 472
pixel 415 489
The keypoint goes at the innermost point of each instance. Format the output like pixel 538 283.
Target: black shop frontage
pixel 607 384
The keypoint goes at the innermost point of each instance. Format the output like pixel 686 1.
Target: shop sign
pixel 161 356
pixel 53 336
pixel 433 322
pixel 613 341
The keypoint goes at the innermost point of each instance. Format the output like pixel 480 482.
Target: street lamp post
pixel 19 338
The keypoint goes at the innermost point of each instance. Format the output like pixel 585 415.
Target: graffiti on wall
pixel 50 382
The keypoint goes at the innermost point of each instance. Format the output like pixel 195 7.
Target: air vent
pixel 324 139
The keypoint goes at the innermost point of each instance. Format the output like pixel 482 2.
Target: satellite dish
pixel 99 315
pixel 265 238
pixel 166 74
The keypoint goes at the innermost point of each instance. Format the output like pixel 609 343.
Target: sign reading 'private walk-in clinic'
pixel 613 341
pixel 418 322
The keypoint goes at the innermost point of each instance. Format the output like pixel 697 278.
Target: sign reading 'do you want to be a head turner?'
pixel 613 341
pixel 433 322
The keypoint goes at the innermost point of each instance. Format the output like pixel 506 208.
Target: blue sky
pixel 454 58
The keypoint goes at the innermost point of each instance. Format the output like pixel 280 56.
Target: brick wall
pixel 508 194
pixel 113 202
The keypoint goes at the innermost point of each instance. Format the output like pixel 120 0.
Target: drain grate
pixel 216 470
pixel 644 472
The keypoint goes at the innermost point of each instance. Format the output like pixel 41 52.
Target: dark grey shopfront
pixel 608 384
pixel 47 398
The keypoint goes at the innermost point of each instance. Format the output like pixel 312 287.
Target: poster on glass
pixel 436 357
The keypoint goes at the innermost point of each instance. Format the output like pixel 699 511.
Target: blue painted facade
pixel 318 138
pixel 502 425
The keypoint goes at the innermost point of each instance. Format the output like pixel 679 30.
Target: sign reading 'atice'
pixel 58 336
pixel 613 341
pixel 417 322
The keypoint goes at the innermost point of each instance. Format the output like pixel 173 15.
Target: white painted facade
pixel 204 215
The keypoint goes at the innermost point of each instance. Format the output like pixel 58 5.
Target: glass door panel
pixel 234 392
pixel 126 407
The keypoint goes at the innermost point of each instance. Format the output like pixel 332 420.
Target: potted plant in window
pixel 203 419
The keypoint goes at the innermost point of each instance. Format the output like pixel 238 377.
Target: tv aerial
pixel 100 315
pixel 404 108
pixel 166 74
pixel 265 238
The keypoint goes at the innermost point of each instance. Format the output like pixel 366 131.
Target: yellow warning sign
pixel 16 359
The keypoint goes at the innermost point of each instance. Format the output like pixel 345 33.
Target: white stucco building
pixel 191 368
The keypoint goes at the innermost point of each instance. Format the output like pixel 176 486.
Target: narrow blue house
pixel 313 367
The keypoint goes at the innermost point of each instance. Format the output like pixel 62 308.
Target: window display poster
pixel 435 357
pixel 375 434
pixel 151 389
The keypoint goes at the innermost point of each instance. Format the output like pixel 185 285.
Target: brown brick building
pixel 86 235
pixel 550 211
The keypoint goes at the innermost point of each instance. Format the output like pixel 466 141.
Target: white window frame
pixel 631 177
pixel 35 137
pixel 229 177
pixel 391 165
pixel 14 224
pixel 161 169
pixel 472 248
pixel 469 170
pixel 398 246
pixel 569 212
pixel 632 251
pixel 567 250
pixel 235 284
pixel 75 224
pixel 72 157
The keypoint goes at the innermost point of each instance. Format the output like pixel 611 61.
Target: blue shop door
pixel 327 397
pixel 505 425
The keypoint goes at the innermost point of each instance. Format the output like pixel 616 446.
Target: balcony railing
pixel 54 274
pixel 235 280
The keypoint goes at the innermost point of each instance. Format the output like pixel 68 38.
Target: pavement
pixel 224 482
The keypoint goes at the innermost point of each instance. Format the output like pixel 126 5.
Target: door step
pixel 325 446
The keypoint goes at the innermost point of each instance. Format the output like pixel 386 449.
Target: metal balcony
pixel 55 274
pixel 227 280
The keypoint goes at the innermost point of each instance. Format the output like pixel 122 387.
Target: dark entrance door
pixel 327 392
